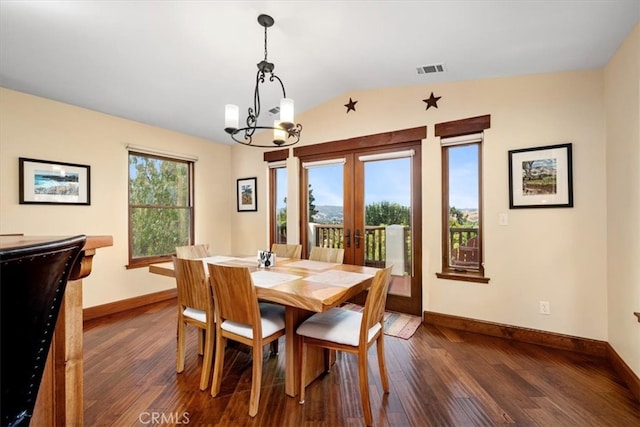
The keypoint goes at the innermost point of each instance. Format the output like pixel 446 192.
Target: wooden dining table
pixel 304 287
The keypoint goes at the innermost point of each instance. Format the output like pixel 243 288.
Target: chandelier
pixel 285 132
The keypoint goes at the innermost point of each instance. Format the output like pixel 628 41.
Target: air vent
pixel 274 110
pixel 426 69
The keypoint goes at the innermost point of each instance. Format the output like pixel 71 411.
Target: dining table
pixel 303 287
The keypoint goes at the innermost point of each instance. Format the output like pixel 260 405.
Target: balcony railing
pixel 463 247
pixel 374 241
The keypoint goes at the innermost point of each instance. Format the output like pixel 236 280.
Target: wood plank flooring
pixel 439 377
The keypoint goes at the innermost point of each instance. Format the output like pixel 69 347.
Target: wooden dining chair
pixel 326 254
pixel 286 251
pixel 242 319
pixel 196 308
pixel 353 332
pixel 193 251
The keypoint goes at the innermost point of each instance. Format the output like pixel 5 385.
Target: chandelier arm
pixel 274 77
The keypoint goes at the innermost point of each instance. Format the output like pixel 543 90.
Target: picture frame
pixel 247 194
pixel 541 177
pixel 45 182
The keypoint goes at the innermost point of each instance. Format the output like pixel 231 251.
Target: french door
pixel 367 201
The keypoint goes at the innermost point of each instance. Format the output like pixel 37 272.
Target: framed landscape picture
pixel 56 183
pixel 541 177
pixel 247 195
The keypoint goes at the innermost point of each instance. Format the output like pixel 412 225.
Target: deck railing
pixel 463 247
pixel 374 241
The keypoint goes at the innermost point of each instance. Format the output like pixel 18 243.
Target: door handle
pixel 347 238
pixel 357 238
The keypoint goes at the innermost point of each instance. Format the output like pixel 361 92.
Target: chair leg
pixel 274 347
pixel 209 341
pixel 218 363
pixel 381 364
pixel 201 342
pixel 256 380
pixel 363 374
pixel 181 343
pixel 303 363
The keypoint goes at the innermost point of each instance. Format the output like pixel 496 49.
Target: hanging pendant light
pixel 285 132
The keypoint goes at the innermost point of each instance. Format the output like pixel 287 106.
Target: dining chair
pixel 34 279
pixel 196 308
pixel 286 251
pixel 241 318
pixel 319 253
pixel 353 332
pixel 193 251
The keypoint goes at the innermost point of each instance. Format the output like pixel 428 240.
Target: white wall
pixel 622 101
pixel 43 129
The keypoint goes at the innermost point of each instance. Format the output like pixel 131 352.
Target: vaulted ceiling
pixel 174 64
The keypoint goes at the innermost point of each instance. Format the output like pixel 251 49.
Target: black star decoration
pixel 432 101
pixel 351 105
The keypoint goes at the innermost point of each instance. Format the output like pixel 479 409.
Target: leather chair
pixel 33 279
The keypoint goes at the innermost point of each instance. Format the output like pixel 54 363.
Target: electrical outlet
pixel 545 307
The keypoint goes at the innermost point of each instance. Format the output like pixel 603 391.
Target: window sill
pixel 465 277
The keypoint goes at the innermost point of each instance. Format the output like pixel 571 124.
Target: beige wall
pixel 579 259
pixel 556 255
pixel 622 102
pixel 42 129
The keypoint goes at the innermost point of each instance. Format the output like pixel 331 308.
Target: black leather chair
pixel 32 283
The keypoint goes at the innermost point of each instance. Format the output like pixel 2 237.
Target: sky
pixel 389 180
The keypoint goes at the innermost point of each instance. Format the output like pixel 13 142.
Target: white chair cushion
pixel 272 321
pixel 194 314
pixel 336 325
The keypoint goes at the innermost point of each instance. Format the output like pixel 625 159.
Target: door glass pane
pixel 387 235
pixel 281 206
pixel 463 207
pixel 326 206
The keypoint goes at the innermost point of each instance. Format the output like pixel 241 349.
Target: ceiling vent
pixel 426 69
pixel 275 110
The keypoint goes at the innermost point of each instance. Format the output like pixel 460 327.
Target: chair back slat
pixel 375 303
pixel 235 295
pixel 287 251
pixel 193 251
pixel 327 254
pixel 191 283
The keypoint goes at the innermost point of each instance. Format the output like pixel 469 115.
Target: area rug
pixel 395 324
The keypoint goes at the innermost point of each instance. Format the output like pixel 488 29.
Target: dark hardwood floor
pixel 440 377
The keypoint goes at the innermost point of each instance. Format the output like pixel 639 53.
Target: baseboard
pixel 127 304
pixel 532 336
pixel 548 339
pixel 625 372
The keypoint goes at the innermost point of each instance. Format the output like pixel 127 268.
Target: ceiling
pixel 174 64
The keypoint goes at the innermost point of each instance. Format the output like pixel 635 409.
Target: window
pixel 160 207
pixel 277 161
pixel 462 248
pixel 278 186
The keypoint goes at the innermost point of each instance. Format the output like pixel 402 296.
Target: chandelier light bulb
pixel 231 117
pixel 286 113
pixel 279 134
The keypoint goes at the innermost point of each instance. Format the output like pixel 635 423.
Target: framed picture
pixel 54 183
pixel 247 195
pixel 541 177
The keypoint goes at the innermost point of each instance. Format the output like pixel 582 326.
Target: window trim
pixel 459 128
pixel 190 162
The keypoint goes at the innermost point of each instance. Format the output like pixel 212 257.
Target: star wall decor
pixel 432 101
pixel 351 105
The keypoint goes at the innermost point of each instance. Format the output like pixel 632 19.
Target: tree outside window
pixel 160 207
